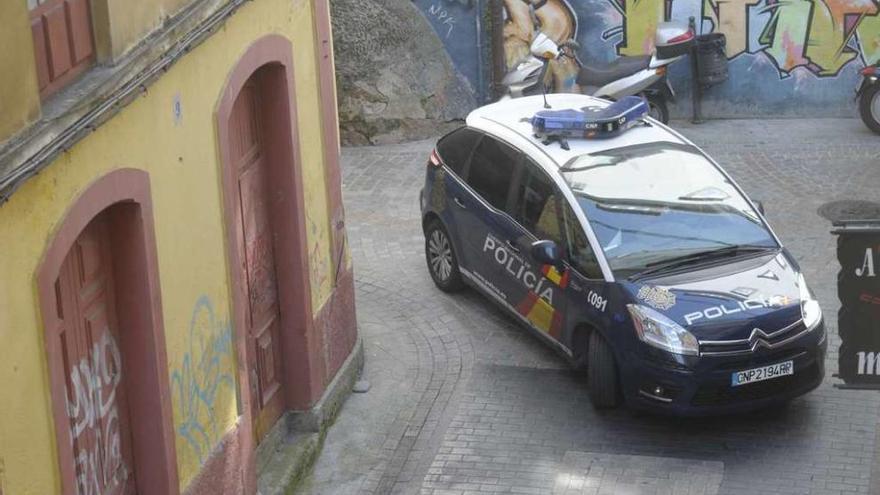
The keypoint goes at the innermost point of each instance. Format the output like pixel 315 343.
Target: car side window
pixel 491 170
pixel 580 254
pixel 456 147
pixel 536 204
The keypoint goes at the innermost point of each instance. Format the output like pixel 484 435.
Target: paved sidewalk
pixel 464 401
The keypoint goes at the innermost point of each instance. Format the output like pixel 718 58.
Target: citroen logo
pixel 759 338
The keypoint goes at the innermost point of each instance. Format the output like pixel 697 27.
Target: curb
pixel 288 452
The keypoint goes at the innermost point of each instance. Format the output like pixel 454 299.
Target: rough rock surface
pixel 395 80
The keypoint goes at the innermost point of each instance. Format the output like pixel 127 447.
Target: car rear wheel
pixel 441 258
pixel 602 373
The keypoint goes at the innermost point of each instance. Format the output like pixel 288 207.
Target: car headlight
pixel 659 331
pixel 810 310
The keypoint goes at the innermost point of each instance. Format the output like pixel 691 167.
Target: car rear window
pixel 455 148
pixel 491 170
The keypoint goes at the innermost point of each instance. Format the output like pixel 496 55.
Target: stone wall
pixel 395 80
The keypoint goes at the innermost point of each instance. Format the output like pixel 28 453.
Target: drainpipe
pixel 478 21
pixel 697 88
pixel 496 27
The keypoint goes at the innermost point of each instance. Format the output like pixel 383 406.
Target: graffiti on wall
pixel 457 24
pixel 94 415
pixel 441 14
pixel 822 36
pixel 203 380
pixel 320 267
pixel 557 20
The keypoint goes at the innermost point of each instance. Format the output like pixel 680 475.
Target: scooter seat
pixel 599 75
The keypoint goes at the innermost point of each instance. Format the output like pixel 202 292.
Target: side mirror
pixel 759 205
pixel 546 252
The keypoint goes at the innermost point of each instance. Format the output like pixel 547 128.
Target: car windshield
pixel 658 202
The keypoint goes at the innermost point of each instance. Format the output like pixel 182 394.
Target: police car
pixel 637 257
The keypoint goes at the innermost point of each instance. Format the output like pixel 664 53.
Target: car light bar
pixel 591 122
pixel 870 70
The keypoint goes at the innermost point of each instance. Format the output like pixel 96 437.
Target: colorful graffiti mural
pixel 204 383
pixel 822 36
pixel 787 57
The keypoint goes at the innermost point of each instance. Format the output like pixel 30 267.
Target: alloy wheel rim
pixel 440 255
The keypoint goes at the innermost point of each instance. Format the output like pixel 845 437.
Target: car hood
pixel 728 301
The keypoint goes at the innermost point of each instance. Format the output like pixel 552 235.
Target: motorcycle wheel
pixel 869 107
pixel 657 108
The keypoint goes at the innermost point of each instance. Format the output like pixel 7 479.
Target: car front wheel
pixel 441 258
pixel 602 373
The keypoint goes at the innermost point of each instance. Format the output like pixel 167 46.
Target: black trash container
pixel 711 58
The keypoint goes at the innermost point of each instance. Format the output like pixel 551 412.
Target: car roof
pixel 508 120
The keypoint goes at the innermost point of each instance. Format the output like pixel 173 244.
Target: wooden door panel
pixel 59 51
pixel 38 32
pixel 244 128
pixel 96 404
pixel 268 362
pixel 259 252
pixel 261 280
pixel 256 241
pixel 79 24
pixel 63 43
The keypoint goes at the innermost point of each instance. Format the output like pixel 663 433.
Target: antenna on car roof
pixel 544 93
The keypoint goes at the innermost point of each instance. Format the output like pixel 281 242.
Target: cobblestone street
pixel 465 401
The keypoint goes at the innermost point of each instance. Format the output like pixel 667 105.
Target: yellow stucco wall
pixel 19 96
pixel 120 24
pixel 181 157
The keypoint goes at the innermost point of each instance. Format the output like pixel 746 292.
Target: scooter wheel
pixel 869 107
pixel 657 108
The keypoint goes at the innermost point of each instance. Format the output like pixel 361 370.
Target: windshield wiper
pixel 700 257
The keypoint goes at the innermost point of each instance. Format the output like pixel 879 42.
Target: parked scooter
pixel 869 97
pixel 642 75
pixel 528 78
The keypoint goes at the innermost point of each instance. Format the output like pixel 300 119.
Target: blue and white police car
pixel 637 257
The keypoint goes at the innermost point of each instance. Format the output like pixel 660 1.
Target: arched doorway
pixel 105 343
pixel 266 239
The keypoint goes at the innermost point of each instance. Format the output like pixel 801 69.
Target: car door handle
pixel 460 203
pixel 512 246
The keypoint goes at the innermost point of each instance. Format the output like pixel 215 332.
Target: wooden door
pixel 63 45
pixel 94 382
pixel 256 243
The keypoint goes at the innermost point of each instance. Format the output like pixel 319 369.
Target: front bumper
pixel 704 386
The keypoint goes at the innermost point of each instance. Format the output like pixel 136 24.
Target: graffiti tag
pixel 821 36
pixel 93 412
pixel 206 370
pixel 443 17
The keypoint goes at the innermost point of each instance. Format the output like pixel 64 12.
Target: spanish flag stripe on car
pixel 553 275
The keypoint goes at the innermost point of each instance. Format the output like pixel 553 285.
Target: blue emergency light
pixel 589 122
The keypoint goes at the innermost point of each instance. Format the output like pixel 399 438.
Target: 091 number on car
pixel 597 301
